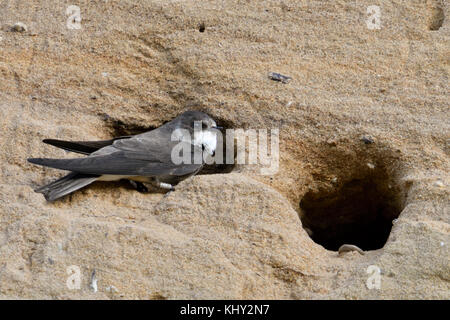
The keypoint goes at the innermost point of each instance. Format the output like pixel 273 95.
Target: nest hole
pixel 356 208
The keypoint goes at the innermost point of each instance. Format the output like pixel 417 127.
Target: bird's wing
pixel 137 156
pixel 83 147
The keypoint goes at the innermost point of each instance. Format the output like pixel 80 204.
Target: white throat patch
pixel 206 138
pixel 202 138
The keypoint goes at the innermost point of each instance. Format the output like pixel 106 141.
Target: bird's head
pixel 203 128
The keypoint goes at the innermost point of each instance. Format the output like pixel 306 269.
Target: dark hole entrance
pixel 358 212
pixel 436 18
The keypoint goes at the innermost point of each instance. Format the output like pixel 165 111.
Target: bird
pixel 141 158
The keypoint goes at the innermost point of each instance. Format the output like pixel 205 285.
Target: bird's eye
pixel 204 126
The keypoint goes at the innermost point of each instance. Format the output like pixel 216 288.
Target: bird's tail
pixel 67 184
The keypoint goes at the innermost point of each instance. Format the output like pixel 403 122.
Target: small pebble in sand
pixel 370 165
pixel 367 139
pixel 349 247
pixel 279 77
pixel 19 27
pixel 439 184
pixel 332 143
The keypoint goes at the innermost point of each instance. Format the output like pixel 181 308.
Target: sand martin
pixel 146 157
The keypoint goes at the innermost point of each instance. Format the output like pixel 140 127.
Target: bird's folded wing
pixel 129 163
pixel 146 154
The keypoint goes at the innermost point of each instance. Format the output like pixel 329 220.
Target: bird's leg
pixel 166 186
pixel 139 186
pixel 163 185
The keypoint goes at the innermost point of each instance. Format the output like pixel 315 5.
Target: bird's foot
pixel 166 186
pixel 139 186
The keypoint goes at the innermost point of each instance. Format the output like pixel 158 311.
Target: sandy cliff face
pixel 241 235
